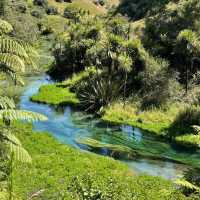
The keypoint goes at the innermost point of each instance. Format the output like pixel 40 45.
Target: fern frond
pixel 31 52
pixel 5 27
pixel 10 138
pixel 28 48
pixel 6 103
pixel 19 153
pixel 29 116
pixel 12 61
pixel 186 184
pixel 6 70
pixel 11 46
pixel 15 146
pixel 196 129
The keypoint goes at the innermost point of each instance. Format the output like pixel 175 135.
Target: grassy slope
pixel 55 166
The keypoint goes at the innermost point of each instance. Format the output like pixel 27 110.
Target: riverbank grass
pixel 163 123
pixel 61 93
pixel 55 94
pixel 61 172
pixel 155 121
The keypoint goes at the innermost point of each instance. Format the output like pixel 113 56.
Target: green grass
pixel 158 122
pixel 60 93
pixel 154 120
pixel 62 172
pixel 55 94
pixel 188 140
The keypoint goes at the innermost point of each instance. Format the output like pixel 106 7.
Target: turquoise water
pixel 67 124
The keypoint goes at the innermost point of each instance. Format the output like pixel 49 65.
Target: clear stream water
pixel 66 124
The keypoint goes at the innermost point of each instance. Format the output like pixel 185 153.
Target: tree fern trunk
pixel 2 7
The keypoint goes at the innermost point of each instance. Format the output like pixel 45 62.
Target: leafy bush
pixel 50 10
pixel 96 93
pixel 184 121
pixel 42 3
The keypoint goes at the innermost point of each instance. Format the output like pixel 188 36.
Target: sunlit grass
pixel 60 93
pixel 157 121
pixel 153 120
pixel 189 139
pixel 55 167
pixel 55 95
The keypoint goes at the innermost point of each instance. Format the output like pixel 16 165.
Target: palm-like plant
pixel 14 56
pixel 8 113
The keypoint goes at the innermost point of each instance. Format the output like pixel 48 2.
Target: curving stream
pixel 148 156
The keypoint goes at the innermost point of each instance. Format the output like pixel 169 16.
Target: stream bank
pixel 67 125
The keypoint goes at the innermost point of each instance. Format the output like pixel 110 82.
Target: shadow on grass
pixel 183 122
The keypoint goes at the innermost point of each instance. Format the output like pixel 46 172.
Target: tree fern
pixel 11 114
pixel 14 54
pixel 6 103
pixel 5 27
pixel 12 61
pixel 15 147
pixel 8 45
pixel 185 184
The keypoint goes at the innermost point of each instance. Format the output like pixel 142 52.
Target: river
pixel 67 124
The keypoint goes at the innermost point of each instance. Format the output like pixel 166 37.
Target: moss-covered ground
pixel 61 172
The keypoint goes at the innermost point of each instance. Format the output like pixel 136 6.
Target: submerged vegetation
pixel 128 62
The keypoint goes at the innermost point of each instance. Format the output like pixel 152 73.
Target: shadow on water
pixel 81 130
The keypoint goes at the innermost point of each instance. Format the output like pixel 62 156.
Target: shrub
pixel 52 10
pixel 42 3
pixel 96 93
pixel 184 121
pixel 72 12
pixel 36 14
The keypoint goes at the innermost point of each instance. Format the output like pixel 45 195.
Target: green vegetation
pixel 159 122
pixel 61 172
pixel 145 58
pixel 61 94
pixel 14 55
pixel 55 95
pixel 136 70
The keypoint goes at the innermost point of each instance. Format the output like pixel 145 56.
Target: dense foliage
pixel 14 55
pixel 131 62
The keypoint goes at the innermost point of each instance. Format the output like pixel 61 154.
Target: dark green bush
pixel 50 10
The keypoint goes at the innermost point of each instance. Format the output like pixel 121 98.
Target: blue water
pixel 67 124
